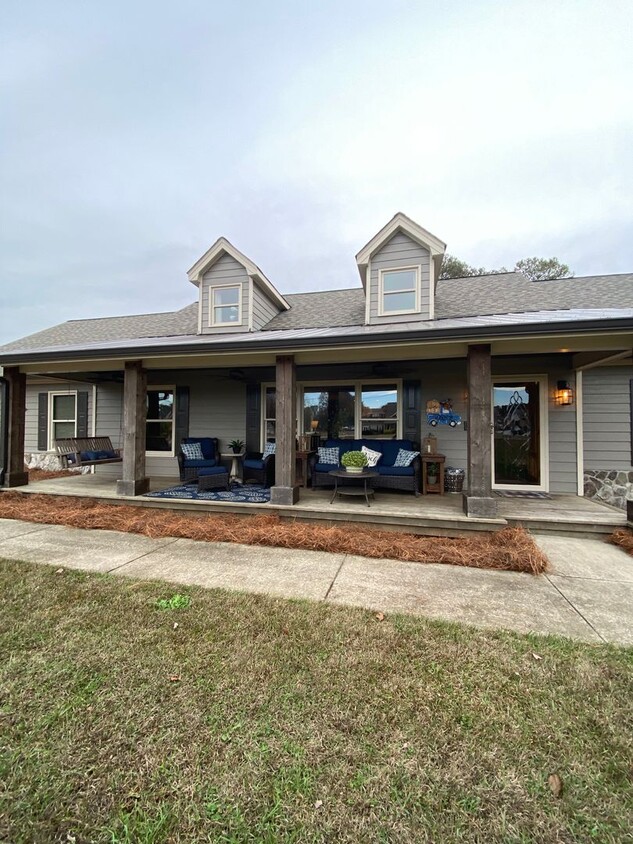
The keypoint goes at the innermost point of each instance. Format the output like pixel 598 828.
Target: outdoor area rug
pixel 511 493
pixel 246 494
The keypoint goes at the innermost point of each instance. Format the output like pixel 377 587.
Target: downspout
pixel 4 427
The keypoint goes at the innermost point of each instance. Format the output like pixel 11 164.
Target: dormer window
pixel 399 291
pixel 226 308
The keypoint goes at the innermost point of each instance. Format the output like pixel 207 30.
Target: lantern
pixel 564 394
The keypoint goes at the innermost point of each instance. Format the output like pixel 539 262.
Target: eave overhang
pixel 299 340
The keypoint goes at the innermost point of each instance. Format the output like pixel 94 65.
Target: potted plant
pixel 354 461
pixel 432 473
pixel 236 446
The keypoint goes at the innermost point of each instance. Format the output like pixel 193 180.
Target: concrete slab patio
pixel 588 595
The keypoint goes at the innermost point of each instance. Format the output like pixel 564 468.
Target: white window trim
pixel 212 288
pixel 356 383
pixel 156 388
pixel 51 438
pixel 381 291
pixel 544 394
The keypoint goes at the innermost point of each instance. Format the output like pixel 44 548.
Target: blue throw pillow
pixel 329 455
pixel 269 449
pixel 192 451
pixel 405 458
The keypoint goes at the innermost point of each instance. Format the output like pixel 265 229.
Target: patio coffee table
pixel 355 489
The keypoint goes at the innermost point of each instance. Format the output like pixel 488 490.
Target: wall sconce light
pixel 563 395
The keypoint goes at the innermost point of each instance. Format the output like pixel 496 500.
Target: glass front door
pixel 517 433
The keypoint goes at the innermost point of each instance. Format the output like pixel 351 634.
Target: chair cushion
pixel 390 449
pixel 198 464
pixel 107 454
pixel 395 470
pixel 326 467
pixel 253 463
pixel 192 451
pixel 90 455
pixel 212 470
pixel 405 457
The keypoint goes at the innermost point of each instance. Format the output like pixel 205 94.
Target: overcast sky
pixel 135 133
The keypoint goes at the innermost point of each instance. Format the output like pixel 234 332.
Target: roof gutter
pixel 473 333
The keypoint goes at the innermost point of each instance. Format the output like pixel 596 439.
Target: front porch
pixel 561 514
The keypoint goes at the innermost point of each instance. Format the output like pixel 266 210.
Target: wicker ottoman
pixel 215 477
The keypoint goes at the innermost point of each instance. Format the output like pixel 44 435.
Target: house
pixel 539 373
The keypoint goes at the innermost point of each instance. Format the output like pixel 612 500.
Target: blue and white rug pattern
pixel 245 494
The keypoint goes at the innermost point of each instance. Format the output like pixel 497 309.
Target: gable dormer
pixel 234 294
pixel 398 269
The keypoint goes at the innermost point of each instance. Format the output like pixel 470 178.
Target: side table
pixel 438 487
pixel 234 474
pixel 303 458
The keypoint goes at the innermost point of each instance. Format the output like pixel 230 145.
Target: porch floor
pixel 429 514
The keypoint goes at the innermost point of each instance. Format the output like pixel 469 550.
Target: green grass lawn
pixel 244 719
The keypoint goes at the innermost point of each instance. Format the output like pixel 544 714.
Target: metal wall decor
pixel 441 413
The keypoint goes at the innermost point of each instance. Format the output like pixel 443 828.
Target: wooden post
pixel 285 491
pixel 479 500
pixel 15 474
pixel 134 481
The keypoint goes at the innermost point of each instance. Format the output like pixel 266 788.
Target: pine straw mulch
pixel 510 549
pixel 624 538
pixel 46 475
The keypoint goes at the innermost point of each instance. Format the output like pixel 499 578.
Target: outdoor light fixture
pixel 564 395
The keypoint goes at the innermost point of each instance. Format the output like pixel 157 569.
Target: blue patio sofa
pixel 189 467
pixel 405 478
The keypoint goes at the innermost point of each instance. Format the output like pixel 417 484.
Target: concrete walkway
pixel 588 596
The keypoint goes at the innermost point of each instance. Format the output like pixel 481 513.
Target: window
pixel 329 411
pixel 159 426
pixel 379 411
pixel 270 414
pixel 226 307
pixel 63 416
pixel 399 291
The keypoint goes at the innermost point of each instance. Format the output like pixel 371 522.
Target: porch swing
pixel 77 452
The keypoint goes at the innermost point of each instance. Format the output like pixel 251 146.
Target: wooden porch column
pixel 134 481
pixel 479 500
pixel 285 491
pixel 15 474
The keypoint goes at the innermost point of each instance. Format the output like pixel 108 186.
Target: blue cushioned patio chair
pixel 189 466
pixel 258 468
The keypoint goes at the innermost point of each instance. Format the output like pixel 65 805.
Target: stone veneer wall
pixel 48 461
pixel 609 486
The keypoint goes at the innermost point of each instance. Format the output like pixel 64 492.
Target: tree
pixel 536 269
pixel 452 267
pixel 541 269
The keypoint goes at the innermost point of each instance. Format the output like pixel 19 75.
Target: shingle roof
pixel 503 294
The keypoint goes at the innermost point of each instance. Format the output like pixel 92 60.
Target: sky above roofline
pixel 134 138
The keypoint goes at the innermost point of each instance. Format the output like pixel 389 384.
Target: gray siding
pixel 446 380
pixel 607 418
pixel 217 408
pixel 400 251
pixel 32 393
pixel 226 270
pixel 263 309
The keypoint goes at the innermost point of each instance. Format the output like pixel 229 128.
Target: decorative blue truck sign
pixel 441 413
